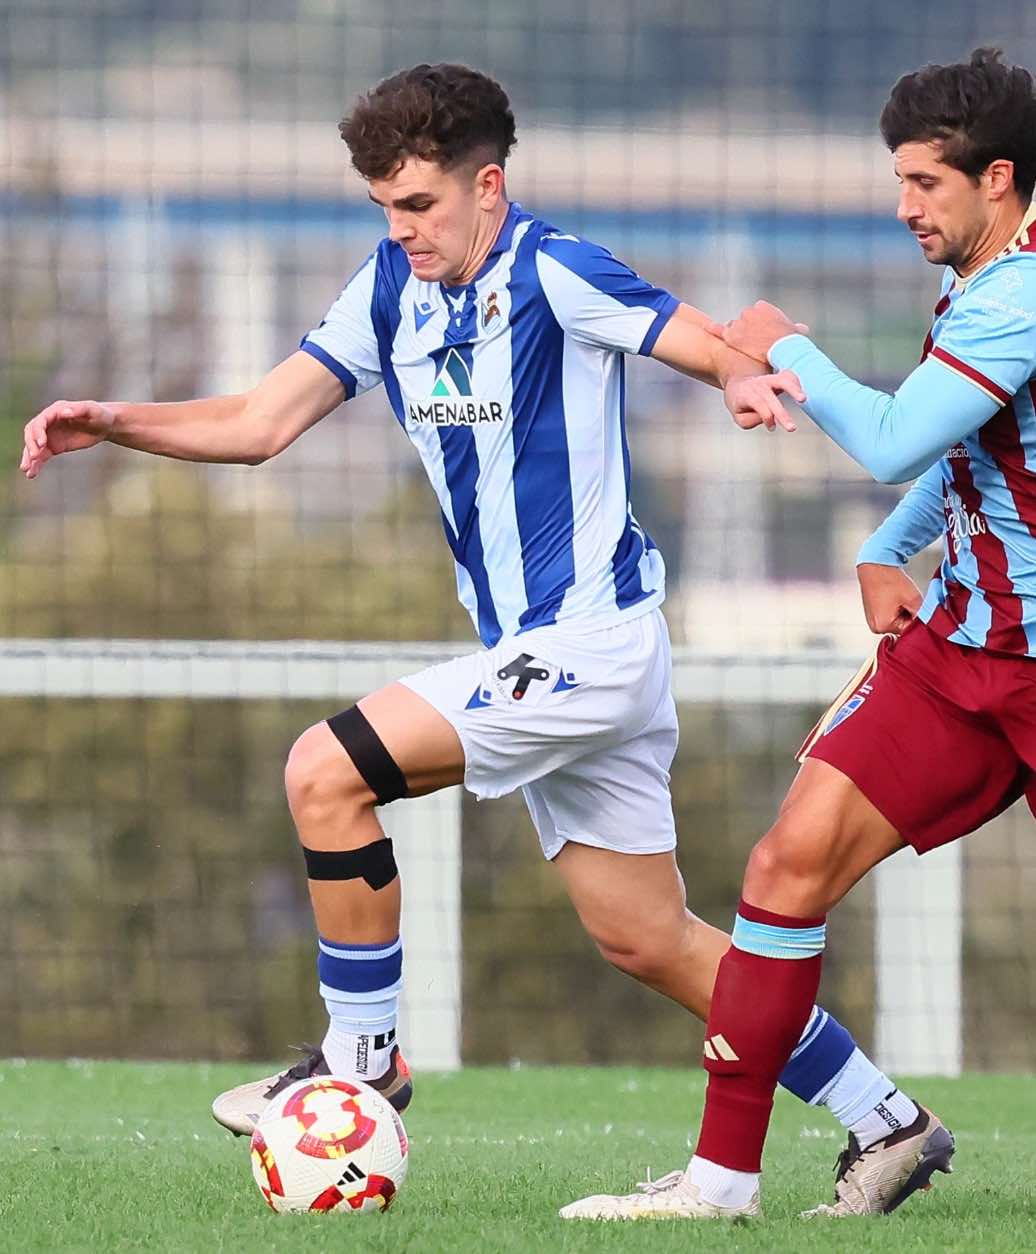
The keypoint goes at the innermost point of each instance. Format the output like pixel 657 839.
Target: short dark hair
pixel 981 112
pixel 442 113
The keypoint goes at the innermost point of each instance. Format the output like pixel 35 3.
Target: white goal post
pixel 917 946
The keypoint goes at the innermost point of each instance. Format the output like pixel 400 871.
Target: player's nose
pixel 907 210
pixel 400 229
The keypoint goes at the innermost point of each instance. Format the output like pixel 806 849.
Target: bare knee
pixel 321 781
pixel 827 836
pixel 797 868
pixel 643 961
pixel 782 853
pixel 649 954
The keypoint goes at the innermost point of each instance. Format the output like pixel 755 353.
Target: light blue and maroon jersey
pixel 984 592
pixel 512 390
pixel 965 420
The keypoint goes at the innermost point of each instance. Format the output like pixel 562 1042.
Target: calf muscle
pixel 634 906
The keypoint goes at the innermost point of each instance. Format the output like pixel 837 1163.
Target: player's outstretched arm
pixel 894 437
pixel 248 428
pixel 890 597
pixel 689 343
pixel 968 377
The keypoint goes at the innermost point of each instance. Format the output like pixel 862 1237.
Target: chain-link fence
pixel 176 212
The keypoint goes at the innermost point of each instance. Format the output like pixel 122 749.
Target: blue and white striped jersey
pixel 512 391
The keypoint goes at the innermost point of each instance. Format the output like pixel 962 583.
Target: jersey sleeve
pixel 597 299
pixel 346 342
pixel 895 437
pixel 917 520
pixel 989 337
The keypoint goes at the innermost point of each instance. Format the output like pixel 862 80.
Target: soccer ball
pixel 329 1144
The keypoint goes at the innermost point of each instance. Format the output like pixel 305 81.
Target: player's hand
pixel 891 599
pixel 756 331
pixel 64 427
pixel 752 400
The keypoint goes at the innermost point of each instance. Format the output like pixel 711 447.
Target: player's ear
pixel 998 177
pixel 489 185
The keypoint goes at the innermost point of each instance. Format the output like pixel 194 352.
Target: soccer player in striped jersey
pixel 942 735
pixel 500 343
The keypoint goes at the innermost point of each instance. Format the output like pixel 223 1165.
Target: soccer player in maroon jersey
pixel 941 736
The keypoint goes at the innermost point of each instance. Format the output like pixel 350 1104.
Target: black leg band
pixel 370 757
pixel 374 863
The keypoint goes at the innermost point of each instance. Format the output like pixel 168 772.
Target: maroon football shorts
pixel 940 737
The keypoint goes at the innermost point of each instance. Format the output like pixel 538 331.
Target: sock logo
pixel 883 1112
pixel 718 1048
pixel 362 1049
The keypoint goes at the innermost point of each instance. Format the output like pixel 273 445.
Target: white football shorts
pixel 583 721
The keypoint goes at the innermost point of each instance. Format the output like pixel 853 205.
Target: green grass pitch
pixel 123 1156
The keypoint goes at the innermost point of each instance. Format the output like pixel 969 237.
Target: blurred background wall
pixel 176 212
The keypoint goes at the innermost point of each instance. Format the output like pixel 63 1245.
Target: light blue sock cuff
pixel 767 941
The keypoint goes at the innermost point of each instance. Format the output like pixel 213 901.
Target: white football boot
pixel 238 1109
pixel 876 1180
pixel 671 1196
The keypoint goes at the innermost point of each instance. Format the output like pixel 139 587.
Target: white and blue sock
pixel 360 986
pixel 864 1100
pixel 827 1068
pixel 823 1050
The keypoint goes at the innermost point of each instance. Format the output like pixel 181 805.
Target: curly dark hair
pixel 982 111
pixel 448 114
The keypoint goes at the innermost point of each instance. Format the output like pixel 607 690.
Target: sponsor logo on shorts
pixel 523 670
pixel 479 699
pixel 849 708
pixel 566 681
pixel 958 451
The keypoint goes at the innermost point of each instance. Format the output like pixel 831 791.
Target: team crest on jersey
pixel 490 309
pixel 1011 279
pixel 451 403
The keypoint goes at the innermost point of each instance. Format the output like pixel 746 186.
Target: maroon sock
pixel 765 990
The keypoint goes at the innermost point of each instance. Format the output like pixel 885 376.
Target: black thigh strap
pixel 370 757
pixel 374 863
